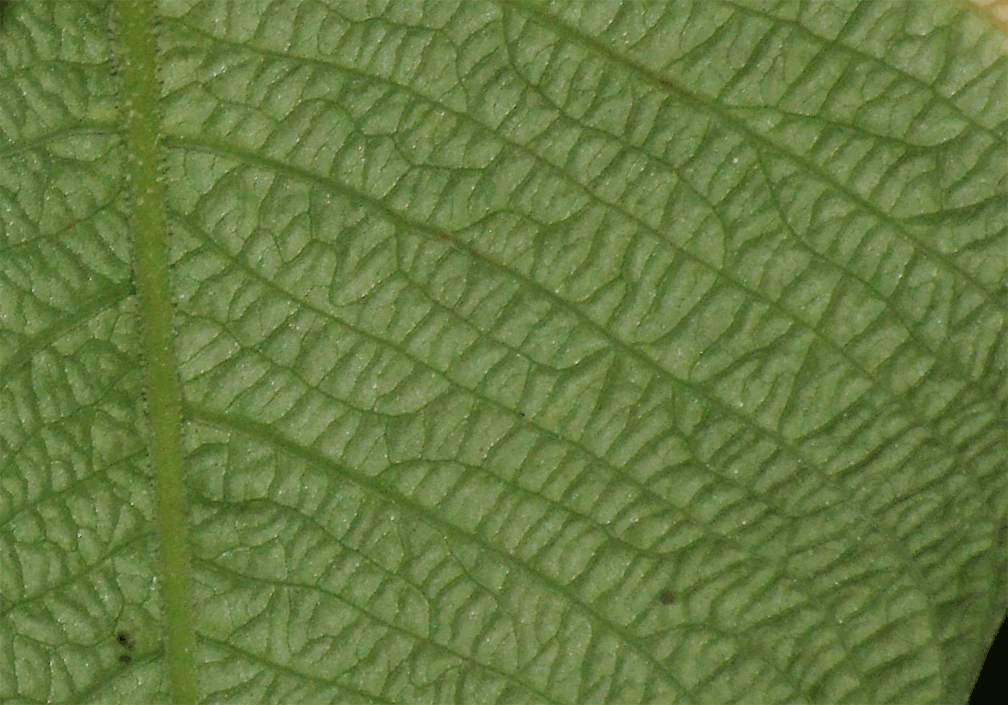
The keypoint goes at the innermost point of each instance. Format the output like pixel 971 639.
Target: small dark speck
pixel 124 639
pixel 667 597
pixel 125 659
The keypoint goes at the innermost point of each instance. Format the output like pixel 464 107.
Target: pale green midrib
pixel 137 51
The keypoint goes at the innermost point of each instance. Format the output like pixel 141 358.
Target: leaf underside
pixel 568 353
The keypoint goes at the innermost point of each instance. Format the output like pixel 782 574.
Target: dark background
pixel 992 677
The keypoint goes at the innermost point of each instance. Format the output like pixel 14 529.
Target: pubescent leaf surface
pixel 564 353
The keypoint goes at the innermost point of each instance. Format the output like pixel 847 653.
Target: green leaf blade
pixel 496 325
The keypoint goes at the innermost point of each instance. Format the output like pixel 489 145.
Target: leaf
pixel 512 352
